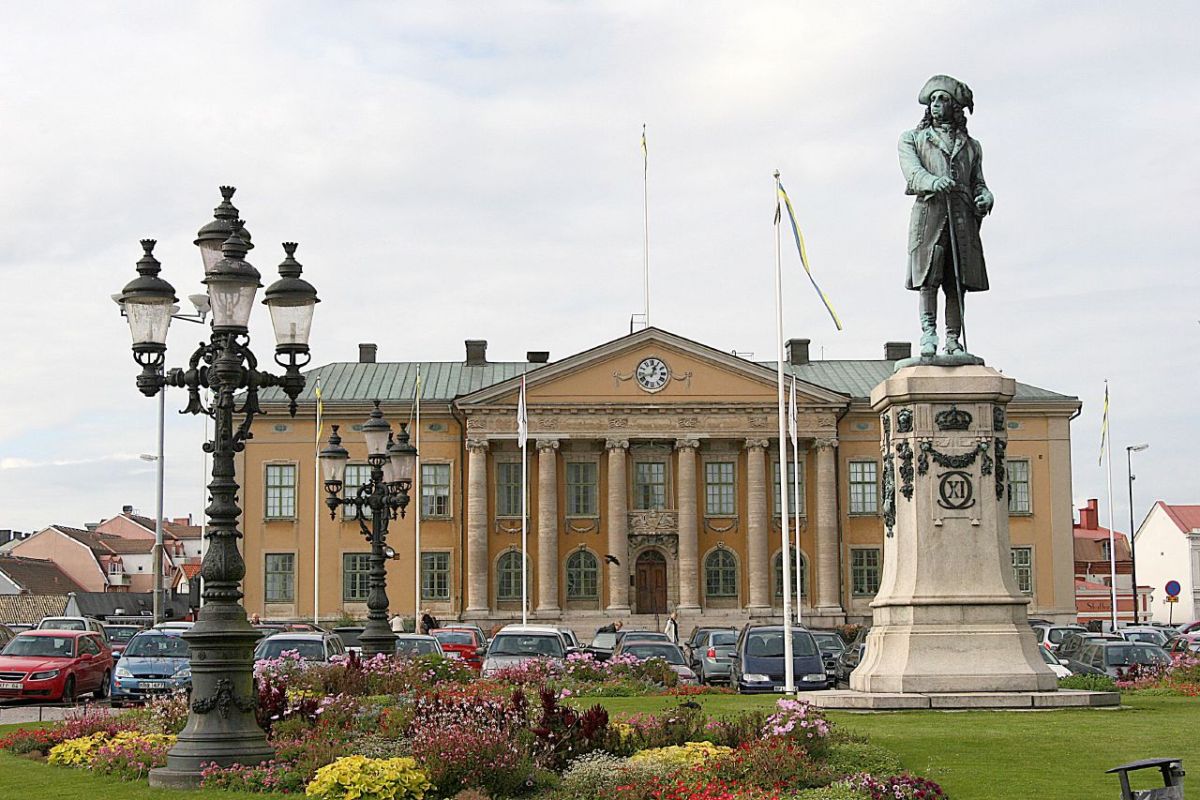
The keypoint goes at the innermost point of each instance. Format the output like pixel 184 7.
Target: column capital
pixel 547 444
pixel 477 445
pixel 683 444
pixel 826 443
pixel 616 444
pixel 761 444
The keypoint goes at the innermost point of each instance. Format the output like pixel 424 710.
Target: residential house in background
pixel 1168 549
pixel 1093 571
pixel 36 576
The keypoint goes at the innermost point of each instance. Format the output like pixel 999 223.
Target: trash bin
pixel 1172 774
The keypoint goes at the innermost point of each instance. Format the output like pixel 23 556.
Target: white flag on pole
pixel 522 417
pixel 793 430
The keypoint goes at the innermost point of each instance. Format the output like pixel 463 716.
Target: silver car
pixel 516 644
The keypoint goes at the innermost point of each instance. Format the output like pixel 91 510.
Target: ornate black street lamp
pixel 221 725
pixel 382 497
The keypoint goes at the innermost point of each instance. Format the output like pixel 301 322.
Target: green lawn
pixel 977 755
pixel 1014 755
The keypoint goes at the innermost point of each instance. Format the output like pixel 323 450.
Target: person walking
pixel 672 627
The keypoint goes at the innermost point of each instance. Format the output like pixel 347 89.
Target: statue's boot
pixel 929 339
pixel 953 346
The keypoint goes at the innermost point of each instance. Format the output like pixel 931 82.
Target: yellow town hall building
pixel 653 485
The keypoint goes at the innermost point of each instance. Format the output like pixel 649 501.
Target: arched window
pixel 583 576
pixel 508 576
pixel 720 574
pixel 779 573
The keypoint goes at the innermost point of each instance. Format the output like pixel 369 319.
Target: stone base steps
pixel 850 700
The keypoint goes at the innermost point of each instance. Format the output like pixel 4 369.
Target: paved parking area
pixel 14 714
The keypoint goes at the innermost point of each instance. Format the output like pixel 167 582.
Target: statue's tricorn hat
pixel 951 86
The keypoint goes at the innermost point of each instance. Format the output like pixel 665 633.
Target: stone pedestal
pixel 948 615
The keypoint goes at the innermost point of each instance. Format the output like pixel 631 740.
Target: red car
pixel 461 643
pixel 55 665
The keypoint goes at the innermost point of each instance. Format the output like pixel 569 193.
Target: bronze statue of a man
pixel 943 167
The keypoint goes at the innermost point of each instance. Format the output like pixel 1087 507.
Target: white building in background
pixel 1168 549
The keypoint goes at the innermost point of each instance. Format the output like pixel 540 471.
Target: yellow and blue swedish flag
pixel 783 198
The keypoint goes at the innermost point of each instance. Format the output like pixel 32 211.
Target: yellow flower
pixel 362 778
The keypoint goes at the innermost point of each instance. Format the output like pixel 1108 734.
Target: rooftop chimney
pixel 797 351
pixel 895 351
pixel 366 353
pixel 1089 517
pixel 126 509
pixel 538 356
pixel 476 352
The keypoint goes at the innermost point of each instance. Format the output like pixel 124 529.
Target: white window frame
pixel 268 487
pixel 1026 567
pixel 350 490
pixel 448 485
pixel 873 511
pixel 568 462
pixel 646 458
pixel 1028 482
pixel 346 598
pixel 778 507
pixel 268 572
pixel 877 567
pixel 578 554
pixel 506 462
pixel 432 594
pixel 731 463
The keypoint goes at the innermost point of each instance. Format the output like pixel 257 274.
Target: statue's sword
pixel 962 306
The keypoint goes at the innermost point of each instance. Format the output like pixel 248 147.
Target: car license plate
pixel 452 654
pixel 7 685
pixel 150 685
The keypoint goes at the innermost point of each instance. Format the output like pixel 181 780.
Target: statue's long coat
pixel 924 156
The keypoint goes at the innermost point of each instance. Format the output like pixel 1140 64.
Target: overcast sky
pixel 472 170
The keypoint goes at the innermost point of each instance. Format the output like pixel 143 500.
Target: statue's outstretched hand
pixel 984 202
pixel 942 184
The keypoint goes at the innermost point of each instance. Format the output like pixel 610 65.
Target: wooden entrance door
pixel 651 582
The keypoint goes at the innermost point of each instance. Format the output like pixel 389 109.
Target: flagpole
pixel 317 512
pixel 523 435
pixel 1112 550
pixel 646 225
pixel 420 504
pixel 789 677
pixel 793 425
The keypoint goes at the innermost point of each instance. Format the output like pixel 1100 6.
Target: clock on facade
pixel 652 374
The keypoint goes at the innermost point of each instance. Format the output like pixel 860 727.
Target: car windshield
pixel 1047 656
pixel 415 647
pixel 455 637
pixel 723 638
pixel 646 636
pixel 1124 655
pixel 525 644
pixel 157 646
pixel 349 637
pixel 41 646
pixel 59 624
pixel 1055 635
pixel 667 652
pixel 308 649
pixel 769 644
pixel 122 633
pixel 1151 637
pixel 829 641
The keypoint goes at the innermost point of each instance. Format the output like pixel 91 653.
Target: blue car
pixel 155 662
pixel 758 663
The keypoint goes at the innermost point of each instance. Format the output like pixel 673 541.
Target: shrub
pixel 163 714
pixel 131 756
pixel 775 764
pixel 849 758
pixel 1089 683
pixel 360 778
pixel 268 776
pixel 562 733
pixel 798 721
pixel 680 756
pixel 77 752
pixel 735 730
pixel 31 740
pixel 898 787
pixel 645 731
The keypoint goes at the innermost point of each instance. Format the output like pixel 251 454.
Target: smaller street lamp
pixel 384 496
pixel 1129 451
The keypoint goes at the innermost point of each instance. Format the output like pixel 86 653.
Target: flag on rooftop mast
pixel 417 495
pixel 789 676
pixel 317 508
pixel 523 441
pixel 794 432
pixel 1106 453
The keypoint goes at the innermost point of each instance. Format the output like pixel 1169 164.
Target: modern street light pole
pixel 1129 451
pixel 385 495
pixel 221 726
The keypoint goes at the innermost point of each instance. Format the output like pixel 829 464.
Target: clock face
pixel 652 374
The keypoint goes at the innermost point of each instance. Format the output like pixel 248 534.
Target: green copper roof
pixel 858 378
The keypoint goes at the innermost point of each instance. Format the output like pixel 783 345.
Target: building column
pixel 477 528
pixel 618 528
pixel 547 596
pixel 758 565
pixel 828 566
pixel 689 545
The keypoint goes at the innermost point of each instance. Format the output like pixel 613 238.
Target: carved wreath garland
pixel 222 700
pixel 955 461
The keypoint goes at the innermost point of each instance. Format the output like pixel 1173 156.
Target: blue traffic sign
pixel 1172 588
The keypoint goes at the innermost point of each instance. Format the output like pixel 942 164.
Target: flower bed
pixel 1181 678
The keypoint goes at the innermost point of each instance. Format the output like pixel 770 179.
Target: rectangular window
pixel 356 476
pixel 581 488
pixel 649 485
pixel 281 578
pixel 864 571
pixel 1022 564
pixel 435 491
pixel 1018 487
pixel 508 488
pixel 356 575
pixel 791 489
pixel 281 491
pixel 719 489
pixel 435 576
pixel 864 490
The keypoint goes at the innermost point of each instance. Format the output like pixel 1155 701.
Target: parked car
pixel 73 624
pixel 55 665
pixel 603 644
pixel 119 636
pixel 699 633
pixel 1144 634
pixel 176 625
pixel 417 644
pixel 21 627
pixel 462 643
pixel 309 646
pixel 1187 644
pixel 712 654
pixel 832 646
pixel 1059 669
pixel 1114 658
pixel 1073 643
pixel 758 661
pixel 6 635
pixel 644 636
pixel 515 644
pixel 570 638
pixel 850 658
pixel 1051 636
pixel 350 634
pixel 154 663
pixel 667 651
